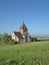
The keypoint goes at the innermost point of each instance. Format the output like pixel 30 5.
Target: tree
pixel 4 38
pixel 0 38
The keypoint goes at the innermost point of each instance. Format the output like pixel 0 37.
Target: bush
pixel 34 39
pixel 6 39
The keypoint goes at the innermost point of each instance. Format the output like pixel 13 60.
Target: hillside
pixel 35 53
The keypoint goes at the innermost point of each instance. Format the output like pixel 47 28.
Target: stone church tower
pixel 24 31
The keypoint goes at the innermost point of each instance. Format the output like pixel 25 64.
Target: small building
pixel 22 35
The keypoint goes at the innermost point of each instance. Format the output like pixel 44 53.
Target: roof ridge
pixel 18 34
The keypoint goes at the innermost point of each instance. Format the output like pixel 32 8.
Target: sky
pixel 34 13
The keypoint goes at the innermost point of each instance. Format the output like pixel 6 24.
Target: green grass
pixel 35 53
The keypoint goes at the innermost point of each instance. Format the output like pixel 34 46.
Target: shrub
pixel 34 39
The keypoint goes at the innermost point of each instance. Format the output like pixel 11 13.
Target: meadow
pixel 34 53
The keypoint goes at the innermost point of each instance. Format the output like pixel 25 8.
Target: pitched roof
pixel 18 34
pixel 23 26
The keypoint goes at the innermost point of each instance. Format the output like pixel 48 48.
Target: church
pixel 21 35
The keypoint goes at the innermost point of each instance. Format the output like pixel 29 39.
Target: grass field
pixel 35 53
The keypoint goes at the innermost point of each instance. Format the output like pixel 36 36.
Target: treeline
pixel 35 39
pixel 6 39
